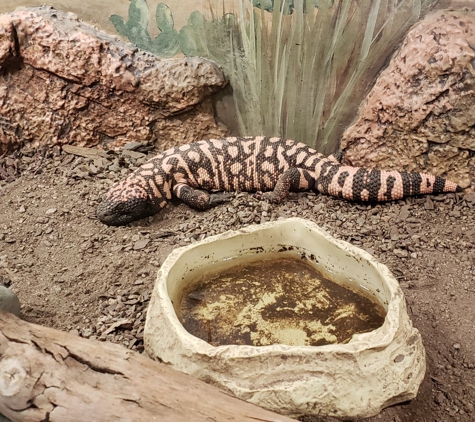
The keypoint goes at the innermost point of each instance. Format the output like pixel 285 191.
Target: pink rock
pixel 65 82
pixel 420 114
pixel 7 41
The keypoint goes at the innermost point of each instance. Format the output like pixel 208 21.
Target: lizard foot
pixel 266 196
pixel 219 198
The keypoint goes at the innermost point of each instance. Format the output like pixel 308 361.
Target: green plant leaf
pixel 267 5
pixel 119 25
pixel 164 17
pixel 136 28
pixel 192 36
pixel 139 14
pixel 166 44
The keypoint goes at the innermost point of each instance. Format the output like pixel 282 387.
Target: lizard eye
pixel 119 207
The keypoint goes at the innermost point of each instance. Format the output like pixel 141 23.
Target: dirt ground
pixel 73 273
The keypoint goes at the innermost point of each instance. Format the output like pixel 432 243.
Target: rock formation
pixel 420 114
pixel 65 82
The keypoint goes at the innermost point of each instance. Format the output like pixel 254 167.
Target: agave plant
pixel 300 69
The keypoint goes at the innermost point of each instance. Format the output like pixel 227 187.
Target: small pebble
pixel 140 244
pixel 400 253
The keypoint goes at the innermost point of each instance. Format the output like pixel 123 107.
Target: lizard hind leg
pixel 292 180
pixel 200 199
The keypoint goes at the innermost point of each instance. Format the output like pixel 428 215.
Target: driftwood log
pixel 50 375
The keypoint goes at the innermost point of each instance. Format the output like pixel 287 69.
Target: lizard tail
pixel 373 185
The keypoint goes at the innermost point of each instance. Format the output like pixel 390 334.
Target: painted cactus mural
pixel 165 44
pixel 287 6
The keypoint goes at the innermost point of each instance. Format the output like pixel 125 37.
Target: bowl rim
pixel 378 338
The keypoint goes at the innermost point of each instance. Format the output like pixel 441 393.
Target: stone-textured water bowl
pixel 356 379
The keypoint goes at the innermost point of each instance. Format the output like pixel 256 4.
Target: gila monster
pixel 269 166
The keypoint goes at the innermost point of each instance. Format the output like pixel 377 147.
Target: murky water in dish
pixel 271 301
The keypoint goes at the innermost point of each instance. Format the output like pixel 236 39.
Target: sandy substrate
pixel 73 273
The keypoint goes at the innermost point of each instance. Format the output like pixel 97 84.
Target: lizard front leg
pixel 199 199
pixel 292 180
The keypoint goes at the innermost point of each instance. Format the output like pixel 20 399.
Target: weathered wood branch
pixel 46 374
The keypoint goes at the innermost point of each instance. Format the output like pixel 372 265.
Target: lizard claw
pixel 259 195
pixel 266 196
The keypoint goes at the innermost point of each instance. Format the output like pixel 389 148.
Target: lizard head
pixel 124 202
